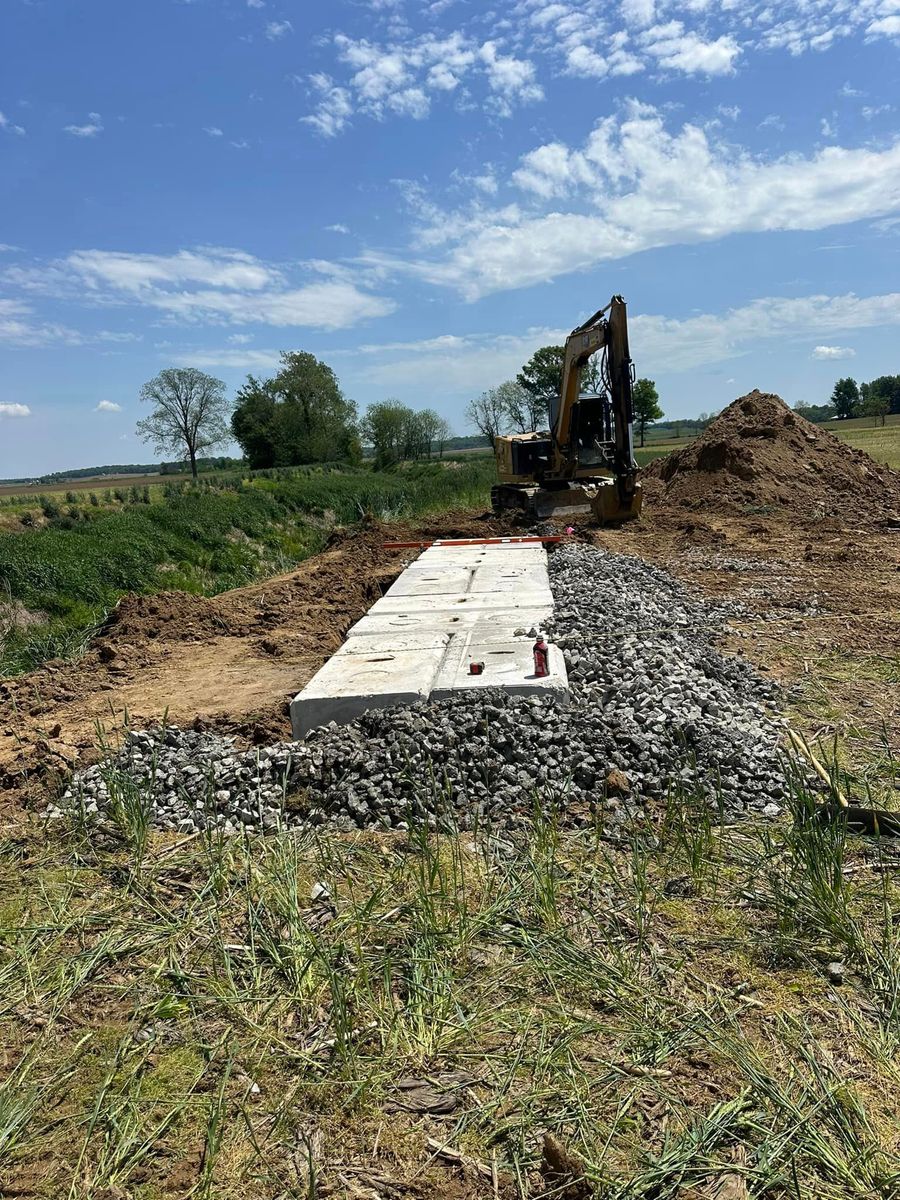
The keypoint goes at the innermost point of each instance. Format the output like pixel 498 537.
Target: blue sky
pixel 423 193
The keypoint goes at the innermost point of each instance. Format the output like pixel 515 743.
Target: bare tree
pixel 488 414
pixel 188 414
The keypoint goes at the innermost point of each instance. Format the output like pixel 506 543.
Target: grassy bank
pixel 59 575
pixel 187 1021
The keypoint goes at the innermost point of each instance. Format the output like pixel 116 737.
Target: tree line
pixel 523 404
pixel 875 399
pixel 300 415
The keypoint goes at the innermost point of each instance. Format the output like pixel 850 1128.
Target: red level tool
pixel 507 541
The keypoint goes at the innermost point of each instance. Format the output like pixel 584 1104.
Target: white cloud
pixel 90 129
pixel 638 12
pixel 108 406
pixel 868 111
pixel 512 80
pixel 337 228
pixel 334 109
pixel 217 286
pixel 660 345
pixel 256 3
pixel 885 26
pixel 237 360
pixel 7 126
pixel 634 186
pixel 213 131
pixel 243 144
pixel 240 339
pixel 833 352
pixel 14 410
pixel 679 50
pixel 402 76
pixel 19 327
pixel 278 29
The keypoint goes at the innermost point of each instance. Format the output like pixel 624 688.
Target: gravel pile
pixel 654 706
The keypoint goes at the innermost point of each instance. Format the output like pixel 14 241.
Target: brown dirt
pixel 760 454
pixel 232 661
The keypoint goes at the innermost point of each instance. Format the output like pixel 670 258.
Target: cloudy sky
pixel 423 193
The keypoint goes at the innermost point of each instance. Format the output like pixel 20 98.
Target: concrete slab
pixel 452 605
pixel 490 620
pixel 376 642
pixel 533 598
pixel 505 579
pixel 435 580
pixel 508 664
pixel 466 556
pixel 351 683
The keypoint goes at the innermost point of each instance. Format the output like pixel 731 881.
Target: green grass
pixel 189 1022
pixel 225 533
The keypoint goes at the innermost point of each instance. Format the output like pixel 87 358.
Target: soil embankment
pixel 759 454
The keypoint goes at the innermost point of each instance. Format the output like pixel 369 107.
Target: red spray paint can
pixel 541 658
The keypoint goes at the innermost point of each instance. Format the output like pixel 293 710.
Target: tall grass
pixel 220 534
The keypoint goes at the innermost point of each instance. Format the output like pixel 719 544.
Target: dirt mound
pixel 758 453
pixel 169 616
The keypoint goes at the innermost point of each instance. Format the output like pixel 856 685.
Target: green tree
pixel 189 411
pixel 646 405
pixel 298 416
pixel 845 398
pixel 541 380
pixel 818 413
pixel 873 404
pixel 541 376
pixel 886 387
pixel 386 427
pixel 433 429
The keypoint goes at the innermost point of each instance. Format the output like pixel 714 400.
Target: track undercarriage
pixel 600 498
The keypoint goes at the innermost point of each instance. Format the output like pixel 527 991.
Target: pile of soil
pixel 758 454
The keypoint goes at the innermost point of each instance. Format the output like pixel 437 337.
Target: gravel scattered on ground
pixel 654 707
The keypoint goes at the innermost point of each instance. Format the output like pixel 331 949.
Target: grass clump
pixel 279 1014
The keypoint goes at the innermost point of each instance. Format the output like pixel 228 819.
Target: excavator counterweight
pixel 585 461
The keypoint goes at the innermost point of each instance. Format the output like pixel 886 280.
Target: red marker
pixel 541 658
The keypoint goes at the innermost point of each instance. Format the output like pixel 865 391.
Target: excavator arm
pixel 586 462
pixel 606 329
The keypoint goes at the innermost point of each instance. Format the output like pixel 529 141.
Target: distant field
pixel 87 484
pixel 881 442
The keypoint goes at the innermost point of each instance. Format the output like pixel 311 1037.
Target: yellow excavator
pixel 585 461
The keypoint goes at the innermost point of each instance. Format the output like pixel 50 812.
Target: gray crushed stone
pixel 651 697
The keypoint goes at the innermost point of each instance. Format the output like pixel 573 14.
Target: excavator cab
pixel 585 461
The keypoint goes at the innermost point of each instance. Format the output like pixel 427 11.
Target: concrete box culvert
pixel 451 607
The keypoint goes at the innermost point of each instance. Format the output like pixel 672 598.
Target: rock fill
pixel 655 706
